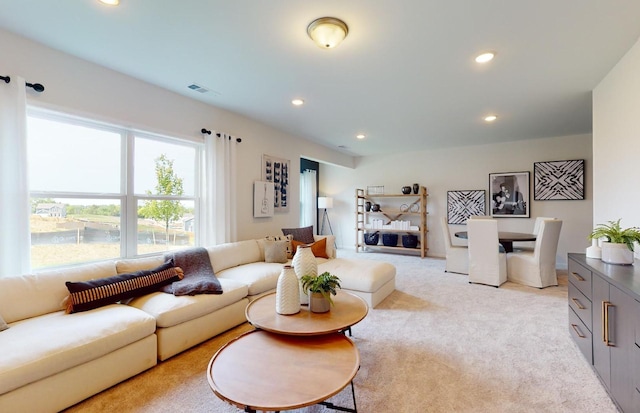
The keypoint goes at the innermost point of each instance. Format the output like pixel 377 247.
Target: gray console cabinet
pixel 609 337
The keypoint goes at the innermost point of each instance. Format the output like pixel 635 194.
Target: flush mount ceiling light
pixel 490 118
pixel 485 57
pixel 297 102
pixel 110 2
pixel 327 32
pixel 360 136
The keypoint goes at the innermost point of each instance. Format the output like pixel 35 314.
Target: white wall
pixel 616 143
pixel 463 169
pixel 77 86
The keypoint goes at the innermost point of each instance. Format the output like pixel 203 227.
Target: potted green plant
pixel 619 245
pixel 320 288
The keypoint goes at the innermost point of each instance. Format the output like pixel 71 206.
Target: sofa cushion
pixel 232 254
pixel 87 295
pixel 275 251
pixel 137 264
pixel 359 275
pixel 169 310
pixel 318 248
pixel 39 347
pixel 304 234
pixel 258 276
pixel 36 294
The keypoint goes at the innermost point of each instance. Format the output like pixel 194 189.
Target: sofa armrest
pixel 331 244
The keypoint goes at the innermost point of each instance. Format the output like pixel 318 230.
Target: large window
pixel 102 192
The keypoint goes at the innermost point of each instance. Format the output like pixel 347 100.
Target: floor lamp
pixel 325 203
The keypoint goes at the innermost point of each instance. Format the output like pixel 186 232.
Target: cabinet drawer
pixel 581 335
pixel 581 305
pixel 580 277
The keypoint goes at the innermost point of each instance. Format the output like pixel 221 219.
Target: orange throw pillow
pixel 318 248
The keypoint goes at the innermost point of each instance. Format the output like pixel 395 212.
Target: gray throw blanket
pixel 198 273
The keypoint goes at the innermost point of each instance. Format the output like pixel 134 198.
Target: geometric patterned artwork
pixel 558 180
pixel 462 204
pixel 276 170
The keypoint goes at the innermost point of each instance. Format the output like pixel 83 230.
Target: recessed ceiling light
pixel 490 118
pixel 297 102
pixel 485 57
pixel 360 136
pixel 110 2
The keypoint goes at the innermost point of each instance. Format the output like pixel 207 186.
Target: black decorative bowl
pixel 390 240
pixel 406 190
pixel 410 241
pixel 371 238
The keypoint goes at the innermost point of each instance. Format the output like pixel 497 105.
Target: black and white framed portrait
pixel 277 170
pixel 463 204
pixel 558 180
pixel 509 193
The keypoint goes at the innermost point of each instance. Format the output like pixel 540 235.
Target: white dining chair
pixel 530 245
pixel 457 256
pixel 487 265
pixel 537 268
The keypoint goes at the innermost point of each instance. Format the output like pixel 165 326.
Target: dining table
pixel 506 238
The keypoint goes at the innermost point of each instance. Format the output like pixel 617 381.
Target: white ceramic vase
pixel 594 251
pixel 304 263
pixel 613 253
pixel 287 292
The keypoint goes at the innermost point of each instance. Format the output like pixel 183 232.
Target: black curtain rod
pixel 35 86
pixel 208 132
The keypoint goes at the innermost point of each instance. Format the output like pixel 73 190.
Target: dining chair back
pixel 537 268
pixel 487 265
pixel 457 256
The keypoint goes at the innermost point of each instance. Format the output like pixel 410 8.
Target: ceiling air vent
pixel 198 88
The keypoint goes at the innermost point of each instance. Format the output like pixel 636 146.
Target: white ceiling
pixel 405 75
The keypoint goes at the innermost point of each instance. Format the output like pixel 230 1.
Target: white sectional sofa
pixel 52 360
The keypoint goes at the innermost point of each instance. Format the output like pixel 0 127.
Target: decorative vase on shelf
pixel 614 253
pixel 304 263
pixel 288 292
pixel 406 190
pixel 594 251
pixel 367 206
pixel 416 188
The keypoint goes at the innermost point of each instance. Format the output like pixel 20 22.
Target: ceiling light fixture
pixel 327 32
pixel 360 136
pixel 110 2
pixel 297 102
pixel 490 118
pixel 485 57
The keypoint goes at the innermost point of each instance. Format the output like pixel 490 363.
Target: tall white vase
pixel 304 263
pixel 287 292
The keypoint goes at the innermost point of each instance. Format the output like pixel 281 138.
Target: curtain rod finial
pixel 203 130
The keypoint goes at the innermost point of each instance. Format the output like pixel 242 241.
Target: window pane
pixel 69 231
pixel 165 225
pixel 64 157
pixel 180 157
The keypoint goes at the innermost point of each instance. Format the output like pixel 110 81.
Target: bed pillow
pixel 275 251
pixel 318 248
pixel 304 234
pixel 87 295
pixel 3 324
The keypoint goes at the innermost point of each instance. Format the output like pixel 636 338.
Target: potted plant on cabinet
pixel 320 288
pixel 619 245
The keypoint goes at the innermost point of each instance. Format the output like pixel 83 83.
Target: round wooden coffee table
pixel 348 309
pixel 271 372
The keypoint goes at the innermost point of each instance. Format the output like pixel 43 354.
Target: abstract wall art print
pixel 558 180
pixel 463 204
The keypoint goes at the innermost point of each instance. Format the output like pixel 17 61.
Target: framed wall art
pixel 510 194
pixel 462 204
pixel 263 199
pixel 558 180
pixel 277 170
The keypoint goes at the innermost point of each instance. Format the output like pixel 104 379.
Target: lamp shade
pixel 325 202
pixel 327 32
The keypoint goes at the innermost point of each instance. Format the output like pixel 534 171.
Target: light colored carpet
pixel 437 344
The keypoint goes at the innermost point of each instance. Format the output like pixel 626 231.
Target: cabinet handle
pixel 577 276
pixel 575 327
pixel 577 303
pixel 606 305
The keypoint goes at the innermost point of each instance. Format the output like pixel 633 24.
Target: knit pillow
pixel 87 295
pixel 304 234
pixel 275 251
